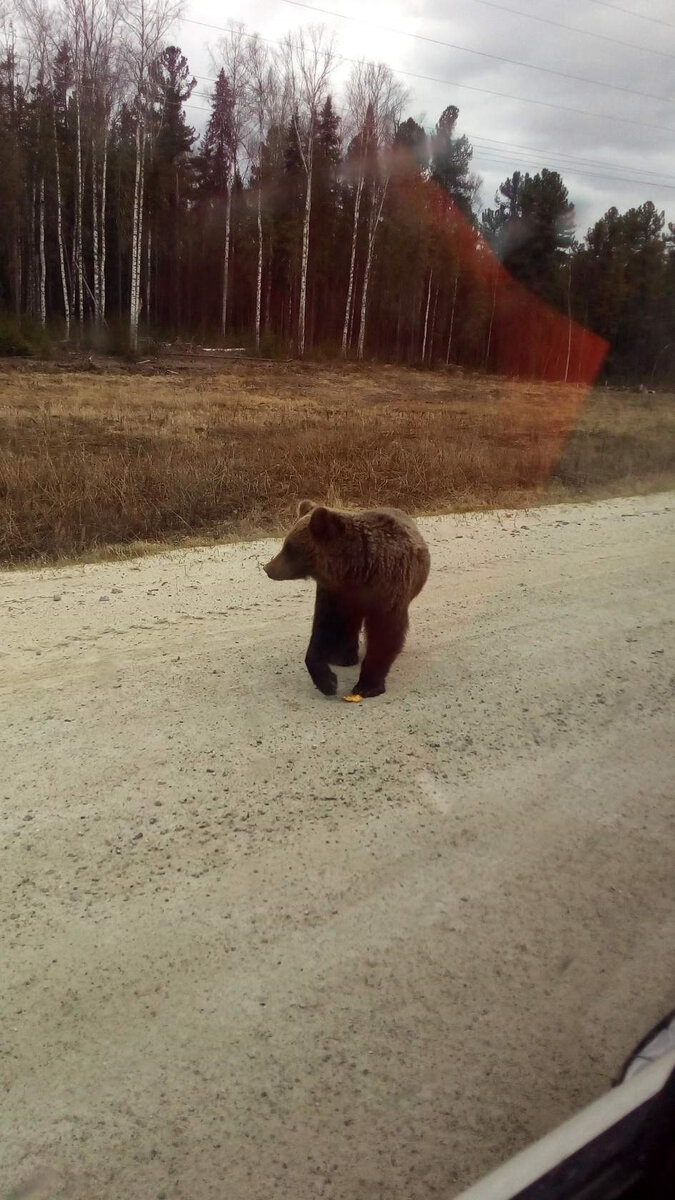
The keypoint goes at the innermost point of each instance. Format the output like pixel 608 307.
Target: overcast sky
pixel 536 136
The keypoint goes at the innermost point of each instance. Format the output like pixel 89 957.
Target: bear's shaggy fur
pixel 368 567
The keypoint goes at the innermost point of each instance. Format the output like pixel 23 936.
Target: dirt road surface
pixel 257 943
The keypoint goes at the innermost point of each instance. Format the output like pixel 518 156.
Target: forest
pixel 307 220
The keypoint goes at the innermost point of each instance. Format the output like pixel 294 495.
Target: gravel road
pixel 257 943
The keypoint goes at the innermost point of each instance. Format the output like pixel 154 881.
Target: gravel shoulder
pixel 257 943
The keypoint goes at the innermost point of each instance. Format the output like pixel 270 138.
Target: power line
pixel 486 152
pixel 553 156
pixel 468 87
pixel 487 156
pixel 568 168
pixel 497 143
pixel 630 12
pixel 556 156
pixel 225 29
pixel 514 62
pixel 604 37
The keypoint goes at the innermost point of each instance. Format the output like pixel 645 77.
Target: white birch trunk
pixel 352 316
pixel 364 297
pixel 258 290
pixel 226 258
pixel 305 255
pixel 78 216
pixel 268 290
pixel 148 274
pixel 18 267
pixel 96 264
pixel 375 215
pixel 104 184
pixel 346 328
pixel 452 318
pixel 426 317
pixel 31 282
pixel 569 321
pixel 432 334
pixel 141 197
pixel 43 261
pixel 73 267
pixel 135 247
pixel 492 317
pixel 59 234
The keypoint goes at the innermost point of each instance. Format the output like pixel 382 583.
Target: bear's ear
pixel 325 523
pixel 305 506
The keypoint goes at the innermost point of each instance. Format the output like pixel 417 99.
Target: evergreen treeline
pixel 291 226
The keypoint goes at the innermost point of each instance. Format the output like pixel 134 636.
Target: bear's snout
pixel 274 568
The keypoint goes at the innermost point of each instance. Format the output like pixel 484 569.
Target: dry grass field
pixel 116 461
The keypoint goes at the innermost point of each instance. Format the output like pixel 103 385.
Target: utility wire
pixel 420 37
pixel 507 163
pixel 630 12
pixel 556 156
pixel 484 152
pixel 551 155
pixel 584 112
pixel 604 37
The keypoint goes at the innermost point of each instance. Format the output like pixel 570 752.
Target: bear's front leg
pixel 322 676
pixel 322 642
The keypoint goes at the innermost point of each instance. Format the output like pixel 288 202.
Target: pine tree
pixel 173 86
pixel 540 234
pixel 169 183
pixel 451 162
pixel 217 151
pixel 326 206
pixel 217 162
pixel 499 225
pixel 412 143
pixel 624 268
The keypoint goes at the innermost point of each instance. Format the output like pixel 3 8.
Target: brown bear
pixel 368 566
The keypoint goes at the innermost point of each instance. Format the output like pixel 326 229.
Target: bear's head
pixel 303 554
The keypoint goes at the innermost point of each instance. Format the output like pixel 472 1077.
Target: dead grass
pixel 89 462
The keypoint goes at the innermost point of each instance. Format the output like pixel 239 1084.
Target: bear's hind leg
pixel 385 634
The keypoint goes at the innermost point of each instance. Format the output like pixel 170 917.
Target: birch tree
pixel 374 103
pixel 453 306
pixel 386 97
pixel 105 73
pixel 426 316
pixel 233 57
pixel 74 20
pixel 60 82
pixel 93 26
pixel 146 22
pixel 12 178
pixel 360 116
pixel 36 18
pixel 308 60
pixel 263 102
